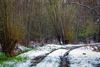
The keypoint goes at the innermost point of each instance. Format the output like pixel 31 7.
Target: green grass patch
pixel 4 58
pixel 6 61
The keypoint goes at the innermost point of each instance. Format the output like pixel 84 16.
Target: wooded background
pixel 68 21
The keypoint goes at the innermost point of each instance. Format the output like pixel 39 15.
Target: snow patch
pixel 84 57
pixel 53 59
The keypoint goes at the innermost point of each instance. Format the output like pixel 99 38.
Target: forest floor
pixel 78 55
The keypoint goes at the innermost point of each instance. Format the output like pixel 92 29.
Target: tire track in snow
pixel 64 59
pixel 53 59
pixel 39 58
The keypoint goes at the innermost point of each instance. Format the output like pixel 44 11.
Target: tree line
pixel 67 21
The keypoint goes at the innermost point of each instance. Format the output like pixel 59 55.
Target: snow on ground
pixel 81 57
pixel 23 48
pixel 53 59
pixel 54 46
pixel 31 55
pixel 84 57
pixel 40 51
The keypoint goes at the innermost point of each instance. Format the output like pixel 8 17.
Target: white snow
pixel 24 64
pixel 23 48
pixel 53 59
pixel 30 55
pixel 54 46
pixel 34 53
pixel 84 57
pixel 80 57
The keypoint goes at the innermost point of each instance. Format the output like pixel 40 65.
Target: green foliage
pixel 87 30
pixel 4 58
